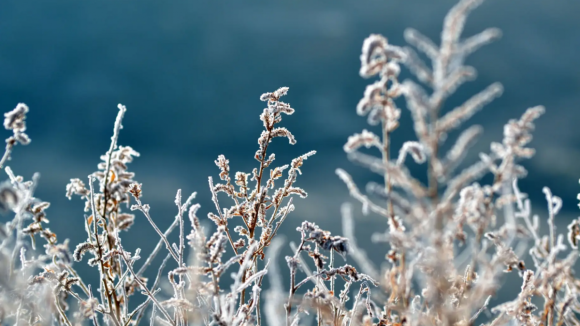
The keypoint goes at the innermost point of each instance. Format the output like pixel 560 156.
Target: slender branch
pixel 385 151
pixel 293 288
pixel 144 287
pixel 257 193
pixel 216 290
pixel 60 311
pixel 103 275
pixel 218 208
pixel 288 205
pixel 154 287
pixel 7 152
pixel 161 234
pixel 157 248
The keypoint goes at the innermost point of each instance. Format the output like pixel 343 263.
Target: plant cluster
pixel 448 240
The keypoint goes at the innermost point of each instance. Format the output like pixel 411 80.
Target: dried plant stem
pixel 318 288
pixel 181 234
pixel 386 156
pixel 216 290
pixel 356 193
pixel 355 305
pixel 332 287
pixel 433 184
pixel 19 220
pixel 293 287
pixel 116 129
pixel 95 321
pixel 434 155
pixel 7 152
pixel 282 219
pixel 140 309
pixel 224 219
pixel 154 287
pixel 551 221
pixel 102 271
pixel 290 297
pixel 508 211
pixel 331 266
pixel 144 287
pixel 182 314
pixel 262 166
pixel 17 245
pixel 231 240
pixel 161 234
pixel 157 248
pixel 252 228
pixel 60 312
pixel 152 319
pixel 18 311
pixel 81 283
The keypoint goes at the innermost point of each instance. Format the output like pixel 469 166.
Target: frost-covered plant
pixel 453 237
pixel 447 244
pixel 199 295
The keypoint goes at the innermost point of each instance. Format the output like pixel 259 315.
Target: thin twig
pixel 103 274
pixel 154 287
pixel 144 286
pixel 163 237
pixel 157 248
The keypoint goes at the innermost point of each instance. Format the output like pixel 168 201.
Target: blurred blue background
pixel 191 73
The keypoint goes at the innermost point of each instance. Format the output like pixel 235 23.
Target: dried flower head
pixel 274 96
pixel 14 120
